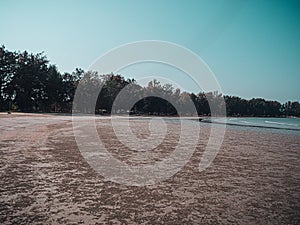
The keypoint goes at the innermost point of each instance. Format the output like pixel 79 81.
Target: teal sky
pixel 253 47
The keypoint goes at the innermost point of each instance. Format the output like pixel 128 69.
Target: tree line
pixel 29 83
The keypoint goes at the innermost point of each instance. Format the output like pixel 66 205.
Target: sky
pixel 252 47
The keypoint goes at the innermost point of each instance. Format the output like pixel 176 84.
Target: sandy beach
pixel 255 178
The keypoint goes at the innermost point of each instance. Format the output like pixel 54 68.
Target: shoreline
pixel 139 115
pixel 201 119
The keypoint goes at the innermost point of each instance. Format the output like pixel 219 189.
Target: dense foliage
pixel 28 83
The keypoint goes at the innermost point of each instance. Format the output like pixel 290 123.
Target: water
pixel 278 125
pixel 261 124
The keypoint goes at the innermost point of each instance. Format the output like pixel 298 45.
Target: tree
pixel 53 90
pixel 8 66
pixel 29 83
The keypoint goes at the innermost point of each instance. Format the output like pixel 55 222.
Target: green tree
pixel 29 81
pixel 8 66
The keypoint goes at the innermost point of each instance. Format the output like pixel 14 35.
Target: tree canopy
pixel 29 83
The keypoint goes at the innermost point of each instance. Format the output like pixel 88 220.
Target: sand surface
pixel 255 178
